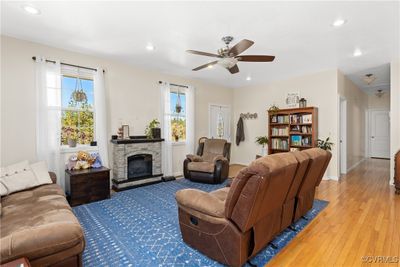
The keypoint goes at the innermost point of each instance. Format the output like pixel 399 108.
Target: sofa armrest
pixel 53 177
pixel 201 201
pixel 194 158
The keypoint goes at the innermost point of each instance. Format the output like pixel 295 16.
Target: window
pixel 178 116
pixel 77 107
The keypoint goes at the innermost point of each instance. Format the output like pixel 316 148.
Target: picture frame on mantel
pixel 125 131
pixel 292 99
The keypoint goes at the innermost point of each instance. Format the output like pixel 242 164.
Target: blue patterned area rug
pixel 139 227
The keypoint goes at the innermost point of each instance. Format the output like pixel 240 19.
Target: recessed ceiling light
pixel 357 52
pixel 338 22
pixel 150 47
pixel 248 78
pixel 31 10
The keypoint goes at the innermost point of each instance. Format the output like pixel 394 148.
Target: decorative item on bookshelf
pixel 302 103
pixel 273 109
pixel 292 99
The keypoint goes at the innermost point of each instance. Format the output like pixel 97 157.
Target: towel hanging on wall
pixel 239 131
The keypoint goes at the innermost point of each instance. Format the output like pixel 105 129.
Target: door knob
pixel 372 137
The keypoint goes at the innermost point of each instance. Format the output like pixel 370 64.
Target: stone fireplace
pixel 136 161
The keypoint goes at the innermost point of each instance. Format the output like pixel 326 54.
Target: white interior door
pixel 220 122
pixel 379 137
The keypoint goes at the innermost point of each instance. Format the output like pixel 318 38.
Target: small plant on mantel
pixel 150 129
pixel 325 144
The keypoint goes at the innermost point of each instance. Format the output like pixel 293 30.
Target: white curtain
pixel 101 115
pixel 166 128
pixel 190 118
pixel 48 128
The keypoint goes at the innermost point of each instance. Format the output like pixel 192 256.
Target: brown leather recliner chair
pixel 211 164
pixel 233 224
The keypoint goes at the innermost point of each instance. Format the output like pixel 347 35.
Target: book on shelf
pixel 298 140
pixel 301 118
pixel 280 119
pixel 278 143
pixel 280 131
pixel 295 140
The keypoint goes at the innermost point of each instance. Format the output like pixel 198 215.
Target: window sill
pixel 67 149
pixel 180 143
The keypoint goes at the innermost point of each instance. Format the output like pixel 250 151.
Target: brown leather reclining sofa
pixel 39 224
pixel 232 224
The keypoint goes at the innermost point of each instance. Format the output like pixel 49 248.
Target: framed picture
pixel 125 131
pixel 292 100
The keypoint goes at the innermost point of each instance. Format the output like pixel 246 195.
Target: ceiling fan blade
pixel 256 58
pixel 240 47
pixel 205 65
pixel 234 69
pixel 202 53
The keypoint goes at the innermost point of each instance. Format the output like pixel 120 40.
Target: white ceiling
pixel 382 81
pixel 299 34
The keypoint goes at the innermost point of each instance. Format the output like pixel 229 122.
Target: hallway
pixel 362 219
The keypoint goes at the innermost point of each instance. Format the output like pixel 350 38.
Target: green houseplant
pixel 325 144
pixel 153 130
pixel 263 141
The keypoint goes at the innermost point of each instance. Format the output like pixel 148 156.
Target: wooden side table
pixel 85 186
pixel 21 262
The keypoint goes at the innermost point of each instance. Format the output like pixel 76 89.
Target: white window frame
pixel 72 72
pixel 171 115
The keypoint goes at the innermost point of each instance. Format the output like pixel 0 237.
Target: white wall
pixel 357 105
pixel 319 89
pixel 394 113
pixel 133 97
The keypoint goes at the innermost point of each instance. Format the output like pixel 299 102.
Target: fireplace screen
pixel 140 166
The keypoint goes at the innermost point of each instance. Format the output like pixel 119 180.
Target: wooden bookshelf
pixel 292 129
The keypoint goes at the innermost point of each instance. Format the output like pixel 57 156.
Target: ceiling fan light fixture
pixel 210 66
pixel 248 78
pixel 339 22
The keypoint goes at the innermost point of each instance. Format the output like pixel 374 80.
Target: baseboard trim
pixel 355 165
pixel 330 177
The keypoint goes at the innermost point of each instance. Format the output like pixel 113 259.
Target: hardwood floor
pixel 362 219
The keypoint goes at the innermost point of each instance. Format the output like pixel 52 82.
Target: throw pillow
pixel 16 177
pixel 41 172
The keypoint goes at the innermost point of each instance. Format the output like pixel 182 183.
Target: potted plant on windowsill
pixel 153 130
pixel 72 138
pixel 263 141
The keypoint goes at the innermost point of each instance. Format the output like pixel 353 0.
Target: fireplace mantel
pixel 136 139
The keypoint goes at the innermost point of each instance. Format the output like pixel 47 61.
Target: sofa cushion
pixel 37 223
pixel 201 166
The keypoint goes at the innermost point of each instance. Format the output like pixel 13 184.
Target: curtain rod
pixel 174 84
pixel 71 65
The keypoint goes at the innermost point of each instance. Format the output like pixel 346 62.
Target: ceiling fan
pixel 228 57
